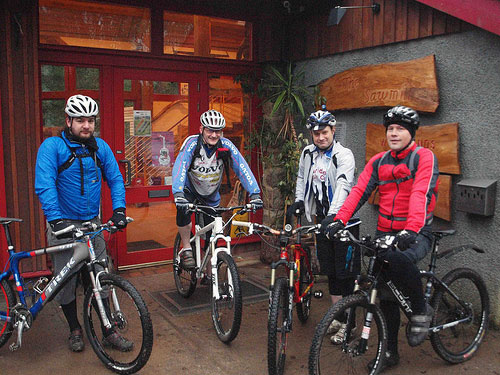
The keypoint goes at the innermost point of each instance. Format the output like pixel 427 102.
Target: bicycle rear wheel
pixel 305 279
pixel 129 317
pixel 355 352
pixel 277 327
pixel 185 280
pixel 7 302
pixel 226 311
pixel 457 343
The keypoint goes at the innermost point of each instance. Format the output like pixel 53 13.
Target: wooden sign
pixel 443 207
pixel 441 139
pixel 412 83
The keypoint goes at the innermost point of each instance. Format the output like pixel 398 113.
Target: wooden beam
pixel 481 13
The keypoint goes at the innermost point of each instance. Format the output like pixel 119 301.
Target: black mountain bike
pixel 461 313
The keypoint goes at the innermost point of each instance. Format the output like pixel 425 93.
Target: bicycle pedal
pixel 13 347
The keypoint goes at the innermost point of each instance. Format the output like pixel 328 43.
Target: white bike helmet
pixel 81 106
pixel 213 120
pixel 320 119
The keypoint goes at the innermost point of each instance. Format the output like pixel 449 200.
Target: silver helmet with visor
pixel 320 119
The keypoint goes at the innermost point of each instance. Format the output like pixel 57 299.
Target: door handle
pixel 128 171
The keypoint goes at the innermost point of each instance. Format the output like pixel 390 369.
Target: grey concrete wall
pixel 468 70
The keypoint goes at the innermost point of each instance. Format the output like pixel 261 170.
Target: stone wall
pixel 468 70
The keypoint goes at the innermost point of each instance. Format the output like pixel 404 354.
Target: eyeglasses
pixel 210 131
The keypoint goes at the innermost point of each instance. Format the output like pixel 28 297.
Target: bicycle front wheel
pixel 185 280
pixel 457 342
pixel 129 317
pixel 7 302
pixel 362 344
pixel 278 327
pixel 305 279
pixel 227 309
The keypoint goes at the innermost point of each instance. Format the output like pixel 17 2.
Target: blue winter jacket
pixel 61 193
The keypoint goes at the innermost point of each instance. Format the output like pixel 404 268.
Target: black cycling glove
pixel 60 224
pixel 297 208
pixel 329 227
pixel 256 202
pixel 119 218
pixel 405 239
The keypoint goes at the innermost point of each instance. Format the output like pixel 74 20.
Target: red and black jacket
pixel 408 184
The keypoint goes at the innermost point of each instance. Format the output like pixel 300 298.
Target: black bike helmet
pixel 404 116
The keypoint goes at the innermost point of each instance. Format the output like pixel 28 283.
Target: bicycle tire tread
pixel 280 286
pixel 227 337
pixel 437 344
pixel 146 325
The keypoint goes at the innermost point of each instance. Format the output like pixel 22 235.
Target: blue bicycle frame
pixel 81 252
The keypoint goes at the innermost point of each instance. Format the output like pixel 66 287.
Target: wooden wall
pixel 20 124
pixel 397 21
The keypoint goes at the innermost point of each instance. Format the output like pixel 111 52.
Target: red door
pixel 154 112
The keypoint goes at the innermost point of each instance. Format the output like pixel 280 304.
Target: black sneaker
pixel 419 326
pixel 118 342
pixel 391 360
pixel 75 341
pixel 187 259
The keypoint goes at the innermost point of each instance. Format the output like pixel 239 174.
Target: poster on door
pixel 162 149
pixel 142 123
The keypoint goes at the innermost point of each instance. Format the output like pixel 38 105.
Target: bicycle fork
pixel 365 333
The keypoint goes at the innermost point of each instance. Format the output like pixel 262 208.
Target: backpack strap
pixel 411 164
pixel 75 156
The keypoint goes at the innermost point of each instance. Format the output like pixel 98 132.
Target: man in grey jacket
pixel 325 178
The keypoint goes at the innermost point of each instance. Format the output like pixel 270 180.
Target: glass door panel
pixel 156 113
pixel 155 124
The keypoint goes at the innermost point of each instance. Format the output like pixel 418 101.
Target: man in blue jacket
pixel 198 171
pixel 68 177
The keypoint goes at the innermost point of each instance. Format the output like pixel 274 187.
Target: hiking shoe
pixel 75 341
pixel 391 360
pixel 187 259
pixel 339 337
pixel 334 327
pixel 419 326
pixel 118 342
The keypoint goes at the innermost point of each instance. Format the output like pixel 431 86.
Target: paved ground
pixel 188 344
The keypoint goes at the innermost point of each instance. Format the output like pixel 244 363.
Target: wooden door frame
pixel 3 203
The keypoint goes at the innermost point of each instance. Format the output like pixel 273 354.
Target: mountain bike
pixel 226 301
pixel 459 324
pixel 284 292
pixel 110 301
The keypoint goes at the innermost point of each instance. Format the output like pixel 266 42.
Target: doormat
pixel 177 305
pixel 143 245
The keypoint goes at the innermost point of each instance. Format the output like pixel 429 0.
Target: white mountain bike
pixel 212 253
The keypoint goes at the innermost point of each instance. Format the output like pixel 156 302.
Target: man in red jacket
pixel 407 179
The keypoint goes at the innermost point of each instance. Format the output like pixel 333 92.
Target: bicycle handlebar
pixel 288 232
pixel 384 243
pixel 200 208
pixel 88 227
